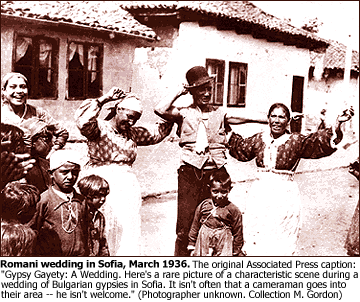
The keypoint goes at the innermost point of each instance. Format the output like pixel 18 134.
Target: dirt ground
pixel 327 208
pixel 329 196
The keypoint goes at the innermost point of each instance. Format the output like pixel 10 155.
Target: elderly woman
pixel 16 111
pixel 112 147
pixel 272 218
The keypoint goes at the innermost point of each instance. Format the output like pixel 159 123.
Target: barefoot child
pixel 95 189
pixel 217 226
pixel 61 217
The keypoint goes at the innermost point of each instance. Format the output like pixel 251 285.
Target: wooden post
pixel 347 71
pixel 347 91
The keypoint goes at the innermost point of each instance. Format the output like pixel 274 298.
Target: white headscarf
pixel 61 157
pixel 131 102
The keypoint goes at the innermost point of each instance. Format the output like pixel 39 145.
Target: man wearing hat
pixel 60 217
pixel 112 144
pixel 202 129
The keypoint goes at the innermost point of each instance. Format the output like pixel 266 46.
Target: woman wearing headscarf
pixel 112 149
pixel 272 218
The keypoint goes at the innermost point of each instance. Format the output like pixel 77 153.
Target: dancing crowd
pixel 51 205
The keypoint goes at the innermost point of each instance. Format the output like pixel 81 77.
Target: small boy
pixel 61 217
pixel 217 226
pixel 18 202
pixel 95 189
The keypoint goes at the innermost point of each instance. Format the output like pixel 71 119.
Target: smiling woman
pixel 279 117
pixel 15 89
pixel 272 218
pixel 16 111
pixel 38 125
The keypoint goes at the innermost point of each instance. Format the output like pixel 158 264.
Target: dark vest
pixel 216 136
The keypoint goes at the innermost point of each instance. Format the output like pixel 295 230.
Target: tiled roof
pixel 100 15
pixel 240 11
pixel 334 57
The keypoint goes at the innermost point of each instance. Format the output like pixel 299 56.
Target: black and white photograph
pixel 179 128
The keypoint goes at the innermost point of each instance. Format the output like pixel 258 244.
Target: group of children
pixel 59 221
pixel 62 222
pixel 65 223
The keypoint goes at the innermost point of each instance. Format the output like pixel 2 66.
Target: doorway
pixel 297 101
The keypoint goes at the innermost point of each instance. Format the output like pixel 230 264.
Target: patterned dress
pixel 272 217
pixel 111 155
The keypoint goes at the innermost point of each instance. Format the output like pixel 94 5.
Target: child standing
pixel 61 216
pixel 217 226
pixel 95 189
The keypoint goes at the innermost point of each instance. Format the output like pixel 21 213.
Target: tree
pixel 312 25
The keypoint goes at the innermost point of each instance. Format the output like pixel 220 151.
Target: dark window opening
pixel 37 59
pixel 85 69
pixel 237 84
pixel 216 68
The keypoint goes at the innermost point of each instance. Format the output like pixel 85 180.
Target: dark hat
pixel 197 76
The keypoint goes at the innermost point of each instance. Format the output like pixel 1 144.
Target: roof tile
pixel 334 57
pixel 106 15
pixel 237 10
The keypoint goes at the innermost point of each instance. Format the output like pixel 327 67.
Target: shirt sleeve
pixel 38 219
pixel 318 144
pixel 237 230
pixel 195 226
pixel 103 245
pixel 144 136
pixel 242 149
pixel 86 119
pixel 60 133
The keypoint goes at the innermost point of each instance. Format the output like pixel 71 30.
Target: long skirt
pixel 121 209
pixel 272 217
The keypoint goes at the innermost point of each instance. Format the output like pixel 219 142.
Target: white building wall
pixel 334 95
pixel 271 66
pixel 117 67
